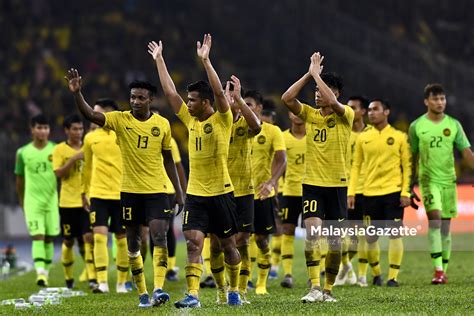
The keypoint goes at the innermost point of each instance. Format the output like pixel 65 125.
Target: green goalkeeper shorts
pixel 42 222
pixel 440 197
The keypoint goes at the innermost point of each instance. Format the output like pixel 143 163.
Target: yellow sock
pixel 333 260
pixel 287 252
pixel 101 257
pixel 312 254
pixel 233 276
pixel 373 252
pixel 89 257
pixel 276 250
pixel 136 264
pixel 67 259
pixel 362 254
pixel 244 268
pixel 121 260
pixel 345 250
pixel 217 268
pixel 171 263
pixel 263 263
pixel 144 249
pixel 160 264
pixel 323 246
pixel 206 255
pixel 193 276
pixel 253 251
pixel 353 244
pixel 395 256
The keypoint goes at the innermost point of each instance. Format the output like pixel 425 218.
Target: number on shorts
pixel 67 229
pixel 285 212
pixel 310 206
pixel 92 217
pixel 127 213
pixel 33 225
pixel 186 213
pixel 428 199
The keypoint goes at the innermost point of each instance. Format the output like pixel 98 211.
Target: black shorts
pixel 357 214
pixel 244 212
pixel 327 203
pixel 383 210
pixel 140 209
pixel 264 221
pixel 107 213
pixel 211 214
pixel 74 222
pixel 292 206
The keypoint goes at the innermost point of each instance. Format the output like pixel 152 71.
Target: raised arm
pixel 327 95
pixel 74 83
pixel 289 97
pixel 169 89
pixel 203 51
pixel 252 120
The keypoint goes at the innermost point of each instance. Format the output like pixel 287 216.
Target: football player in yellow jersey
pixel 292 203
pixel 268 164
pixel 144 141
pixel 384 153
pixel 101 183
pixel 355 244
pixel 68 165
pixel 210 204
pixel 328 130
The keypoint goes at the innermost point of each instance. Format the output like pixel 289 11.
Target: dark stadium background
pixel 388 49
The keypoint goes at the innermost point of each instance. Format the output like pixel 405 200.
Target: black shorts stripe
pixel 244 272
pixel 98 269
pixel 312 263
pixel 217 270
pixel 122 269
pixel 374 264
pixel 264 266
pixel 286 257
pixel 435 255
pixel 395 266
pixel 137 272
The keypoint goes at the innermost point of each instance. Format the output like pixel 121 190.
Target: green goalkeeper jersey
pixel 40 181
pixel 434 142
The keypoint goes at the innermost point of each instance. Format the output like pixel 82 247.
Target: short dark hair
pixel 71 119
pixel 333 80
pixel 254 94
pixel 39 119
pixel 107 103
pixel 384 102
pixel 203 89
pixel 363 100
pixel 433 88
pixel 138 84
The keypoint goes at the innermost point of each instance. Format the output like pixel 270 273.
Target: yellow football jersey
pixel 208 146
pixel 141 144
pixel 327 139
pixel 350 160
pixel 102 175
pixel 239 161
pixel 265 144
pixel 386 157
pixel 295 161
pixel 177 159
pixel 70 190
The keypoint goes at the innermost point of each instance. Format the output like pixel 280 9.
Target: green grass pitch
pixel 415 295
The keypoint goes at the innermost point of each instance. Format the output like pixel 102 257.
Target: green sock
pixel 38 253
pixel 49 254
pixel 434 235
pixel 446 240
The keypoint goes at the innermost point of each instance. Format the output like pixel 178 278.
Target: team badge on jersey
pixel 240 131
pixel 331 123
pixel 208 128
pixel 390 140
pixel 261 139
pixel 155 131
pixel 446 132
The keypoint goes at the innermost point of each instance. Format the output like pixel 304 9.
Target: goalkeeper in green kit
pixel 37 192
pixel 433 137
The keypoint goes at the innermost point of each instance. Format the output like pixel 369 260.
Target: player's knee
pixel 193 247
pixel 242 239
pixel 68 242
pixel 434 223
pixel 159 239
pixel 261 241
